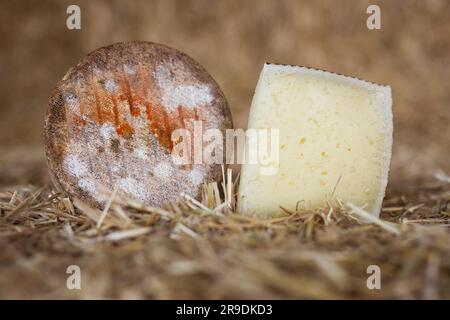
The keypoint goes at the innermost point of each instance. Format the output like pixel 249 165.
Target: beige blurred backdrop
pixel 232 39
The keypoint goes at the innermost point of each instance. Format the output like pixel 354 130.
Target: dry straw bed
pixel 194 249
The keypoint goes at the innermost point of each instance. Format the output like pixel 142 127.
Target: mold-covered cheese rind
pixel 110 122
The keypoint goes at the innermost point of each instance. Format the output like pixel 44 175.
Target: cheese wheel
pixel 110 121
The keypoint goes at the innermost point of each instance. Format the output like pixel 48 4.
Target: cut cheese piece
pixel 335 142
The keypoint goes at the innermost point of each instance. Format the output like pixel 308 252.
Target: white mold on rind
pixel 110 121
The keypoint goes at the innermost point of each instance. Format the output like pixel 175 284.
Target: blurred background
pixel 232 39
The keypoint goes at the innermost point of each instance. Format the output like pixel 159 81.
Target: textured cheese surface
pixel 110 122
pixel 335 141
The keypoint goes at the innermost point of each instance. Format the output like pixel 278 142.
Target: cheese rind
pixel 335 141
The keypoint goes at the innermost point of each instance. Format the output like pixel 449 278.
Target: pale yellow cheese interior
pixel 335 141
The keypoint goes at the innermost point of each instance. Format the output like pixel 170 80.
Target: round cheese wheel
pixel 111 120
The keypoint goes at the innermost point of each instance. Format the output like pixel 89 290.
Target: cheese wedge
pixel 335 142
